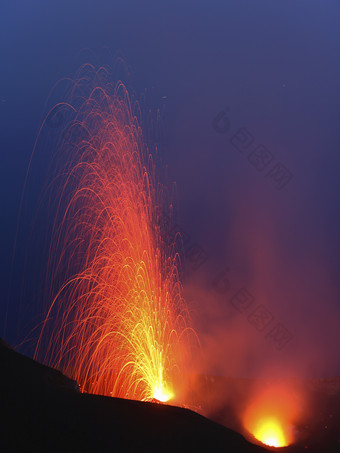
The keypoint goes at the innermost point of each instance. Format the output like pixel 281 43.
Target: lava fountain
pixel 271 415
pixel 117 322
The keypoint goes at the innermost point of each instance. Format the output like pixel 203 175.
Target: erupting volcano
pixel 270 432
pixel 271 415
pixel 117 322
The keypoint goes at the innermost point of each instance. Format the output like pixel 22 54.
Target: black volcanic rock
pixel 19 370
pixel 43 411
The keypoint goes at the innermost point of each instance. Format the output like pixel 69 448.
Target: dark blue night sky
pixel 250 95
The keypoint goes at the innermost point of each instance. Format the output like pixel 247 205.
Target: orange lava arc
pixel 271 415
pixel 117 322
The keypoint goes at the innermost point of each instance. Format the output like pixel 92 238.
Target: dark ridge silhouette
pixel 45 412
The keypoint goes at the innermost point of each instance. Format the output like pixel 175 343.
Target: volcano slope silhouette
pixel 44 411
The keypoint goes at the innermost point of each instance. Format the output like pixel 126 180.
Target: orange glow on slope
pixel 271 415
pixel 161 394
pixel 270 432
pixel 117 322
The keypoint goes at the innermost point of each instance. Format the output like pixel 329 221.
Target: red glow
pixel 271 415
pixel 118 324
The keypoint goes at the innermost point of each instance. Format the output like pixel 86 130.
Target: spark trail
pixel 117 322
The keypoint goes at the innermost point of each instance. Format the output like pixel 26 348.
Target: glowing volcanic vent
pixel 117 322
pixel 269 431
pixel 270 417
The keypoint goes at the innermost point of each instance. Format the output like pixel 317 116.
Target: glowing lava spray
pixel 117 322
